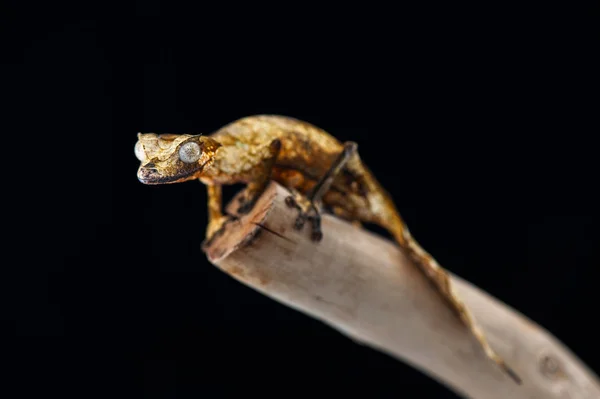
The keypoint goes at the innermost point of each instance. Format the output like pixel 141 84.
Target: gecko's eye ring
pixel 190 152
pixel 139 151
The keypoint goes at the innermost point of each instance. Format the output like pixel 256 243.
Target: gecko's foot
pixel 307 211
pixel 217 227
pixel 245 207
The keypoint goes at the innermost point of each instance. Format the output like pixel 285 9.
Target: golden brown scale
pixel 313 165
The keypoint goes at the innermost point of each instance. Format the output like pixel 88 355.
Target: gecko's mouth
pixel 149 174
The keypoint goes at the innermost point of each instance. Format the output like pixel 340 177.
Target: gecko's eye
pixel 190 152
pixel 139 151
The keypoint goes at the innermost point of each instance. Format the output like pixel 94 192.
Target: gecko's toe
pixel 300 221
pixel 208 240
pixel 217 228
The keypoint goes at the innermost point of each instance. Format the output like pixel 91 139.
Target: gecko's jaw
pixel 149 174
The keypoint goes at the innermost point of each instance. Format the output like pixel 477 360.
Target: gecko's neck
pixel 219 168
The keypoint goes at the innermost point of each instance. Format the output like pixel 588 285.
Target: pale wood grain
pixel 363 286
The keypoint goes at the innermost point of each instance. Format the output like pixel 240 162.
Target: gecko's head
pixel 173 158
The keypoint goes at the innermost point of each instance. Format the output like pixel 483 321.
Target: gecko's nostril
pixel 150 165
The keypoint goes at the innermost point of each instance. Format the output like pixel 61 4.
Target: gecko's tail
pixel 387 216
pixel 441 279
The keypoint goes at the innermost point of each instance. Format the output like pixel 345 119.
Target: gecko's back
pixel 306 154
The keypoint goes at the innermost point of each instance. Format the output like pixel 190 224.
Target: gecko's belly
pixel 293 178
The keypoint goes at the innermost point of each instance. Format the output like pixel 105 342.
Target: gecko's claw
pixel 307 211
pixel 317 233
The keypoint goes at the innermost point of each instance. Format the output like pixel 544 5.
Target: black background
pixel 473 118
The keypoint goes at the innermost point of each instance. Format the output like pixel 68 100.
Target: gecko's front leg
pixel 261 178
pixel 216 219
pixel 309 206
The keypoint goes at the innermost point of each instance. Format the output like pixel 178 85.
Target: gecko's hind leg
pixel 309 206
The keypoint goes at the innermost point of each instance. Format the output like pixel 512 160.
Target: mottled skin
pixel 319 171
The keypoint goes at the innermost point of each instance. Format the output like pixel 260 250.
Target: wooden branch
pixel 362 285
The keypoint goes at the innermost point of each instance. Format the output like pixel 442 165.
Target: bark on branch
pixel 362 285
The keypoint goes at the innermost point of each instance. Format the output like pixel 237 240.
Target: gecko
pixel 320 172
